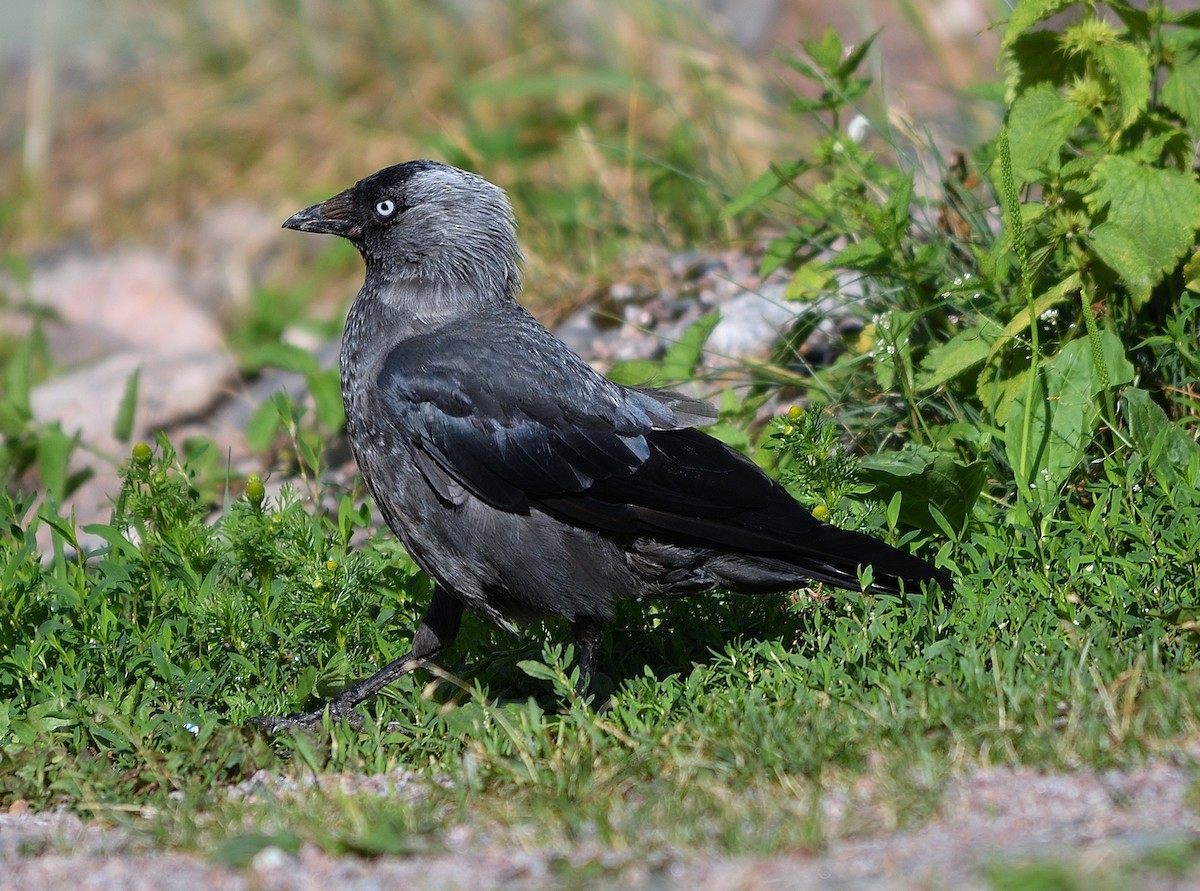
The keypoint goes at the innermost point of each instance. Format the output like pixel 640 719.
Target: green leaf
pixel 636 372
pixel 764 187
pixel 964 350
pixel 1035 58
pixel 996 393
pixel 1029 13
pixel 1029 452
pixel 782 250
pixel 1019 323
pixel 826 52
pixel 1065 412
pixel 1181 91
pixel 1191 273
pixel 1152 218
pixel 891 227
pixel 326 387
pixel 54 449
pixel 854 58
pixel 864 254
pixel 538 670
pixel 926 480
pixel 18 381
pixel 1172 455
pixel 1129 69
pixel 263 425
pixel 281 355
pixel 123 424
pixel 1119 369
pixel 683 356
pixel 1122 251
pixel 1039 124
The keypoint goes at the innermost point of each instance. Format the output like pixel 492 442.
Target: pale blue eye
pixel 386 207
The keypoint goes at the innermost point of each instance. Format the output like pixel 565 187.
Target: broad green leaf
pixel 927 481
pixel 997 393
pixel 1028 451
pixel 1152 218
pixel 12 420
pixel 1191 273
pixel 1039 123
pixel 964 350
pixel 810 281
pixel 1065 412
pixel 1129 70
pixel 899 203
pixel 1181 91
pixel 537 670
pixel 1173 456
pixel 781 251
pixel 1121 250
pixel 1036 58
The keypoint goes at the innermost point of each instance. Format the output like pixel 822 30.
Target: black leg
pixel 436 632
pixel 589 634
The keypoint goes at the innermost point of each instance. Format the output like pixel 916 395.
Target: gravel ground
pixel 1108 829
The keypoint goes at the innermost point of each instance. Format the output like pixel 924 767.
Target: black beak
pixel 333 217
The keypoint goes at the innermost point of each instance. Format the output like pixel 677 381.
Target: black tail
pixel 833 556
pixel 695 490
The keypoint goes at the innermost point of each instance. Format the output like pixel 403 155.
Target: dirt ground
pixel 996 828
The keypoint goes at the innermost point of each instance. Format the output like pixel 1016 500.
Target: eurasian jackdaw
pixel 525 483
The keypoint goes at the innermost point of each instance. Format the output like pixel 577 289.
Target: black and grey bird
pixel 525 483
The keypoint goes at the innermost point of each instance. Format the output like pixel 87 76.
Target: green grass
pixel 127 675
pixel 126 679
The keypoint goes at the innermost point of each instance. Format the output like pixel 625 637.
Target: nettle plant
pixel 1036 318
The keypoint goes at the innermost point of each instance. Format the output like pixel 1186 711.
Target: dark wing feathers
pixel 618 459
pixel 504 439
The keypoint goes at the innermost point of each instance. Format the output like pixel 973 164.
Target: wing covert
pixel 519 426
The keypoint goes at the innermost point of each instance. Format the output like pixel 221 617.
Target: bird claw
pixel 306 723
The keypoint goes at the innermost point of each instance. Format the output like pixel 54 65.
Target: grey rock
pixel 752 323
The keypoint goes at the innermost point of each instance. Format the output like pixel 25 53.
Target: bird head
pixel 423 221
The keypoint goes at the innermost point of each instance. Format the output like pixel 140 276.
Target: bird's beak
pixel 333 217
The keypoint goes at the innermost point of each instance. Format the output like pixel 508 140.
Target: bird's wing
pixel 529 424
pixel 513 425
pixel 693 486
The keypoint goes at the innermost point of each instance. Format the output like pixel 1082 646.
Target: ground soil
pixel 994 828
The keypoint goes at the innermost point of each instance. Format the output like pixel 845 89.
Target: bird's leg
pixel 437 631
pixel 589 634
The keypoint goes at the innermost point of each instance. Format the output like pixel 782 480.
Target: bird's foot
pixel 308 723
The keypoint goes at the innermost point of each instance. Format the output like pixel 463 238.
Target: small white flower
pixel 858 128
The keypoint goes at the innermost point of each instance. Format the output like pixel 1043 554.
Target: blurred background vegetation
pixel 610 124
